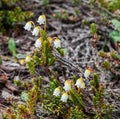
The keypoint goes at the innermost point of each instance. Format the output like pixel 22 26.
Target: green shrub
pixel 10 14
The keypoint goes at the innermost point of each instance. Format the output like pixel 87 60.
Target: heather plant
pixel 111 5
pixel 102 109
pixel 113 56
pixel 66 100
pixel 25 110
pixel 45 46
pixel 10 14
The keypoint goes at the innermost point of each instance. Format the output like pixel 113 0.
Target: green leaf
pixel 51 60
pixel 37 60
pixel 76 98
pixel 65 50
pixel 20 56
pixel 24 96
pixel 96 80
pixel 118 56
pixel 115 36
pixel 31 67
pixel 61 51
pixel 12 47
pixel 116 24
pixel 93 28
pixel 53 83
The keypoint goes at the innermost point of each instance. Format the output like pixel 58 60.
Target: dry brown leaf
pixel 3 78
pixel 11 86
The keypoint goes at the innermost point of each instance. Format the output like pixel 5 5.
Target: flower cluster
pixel 67 87
pixel 69 84
pixel 37 32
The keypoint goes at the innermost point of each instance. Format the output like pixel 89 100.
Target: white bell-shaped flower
pixel 41 19
pixel 64 97
pixel 38 43
pixel 28 26
pixel 87 73
pixel 56 91
pixel 36 31
pixel 80 83
pixel 57 43
pixel 67 85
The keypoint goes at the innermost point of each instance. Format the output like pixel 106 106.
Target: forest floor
pixel 71 23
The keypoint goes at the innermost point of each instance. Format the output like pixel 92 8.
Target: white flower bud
pixel 67 85
pixel 38 43
pixel 87 73
pixel 57 43
pixel 36 31
pixel 56 91
pixel 64 97
pixel 80 83
pixel 28 26
pixel 41 19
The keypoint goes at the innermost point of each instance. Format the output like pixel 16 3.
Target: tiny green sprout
pixel 113 54
pixel 30 65
pixel 93 28
pixel 77 11
pixel 18 82
pixel 85 22
pixel 54 83
pixel 102 53
pixel 95 80
pixel 74 77
pixel 62 15
pixel 106 65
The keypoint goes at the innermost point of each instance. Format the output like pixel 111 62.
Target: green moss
pixel 10 14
